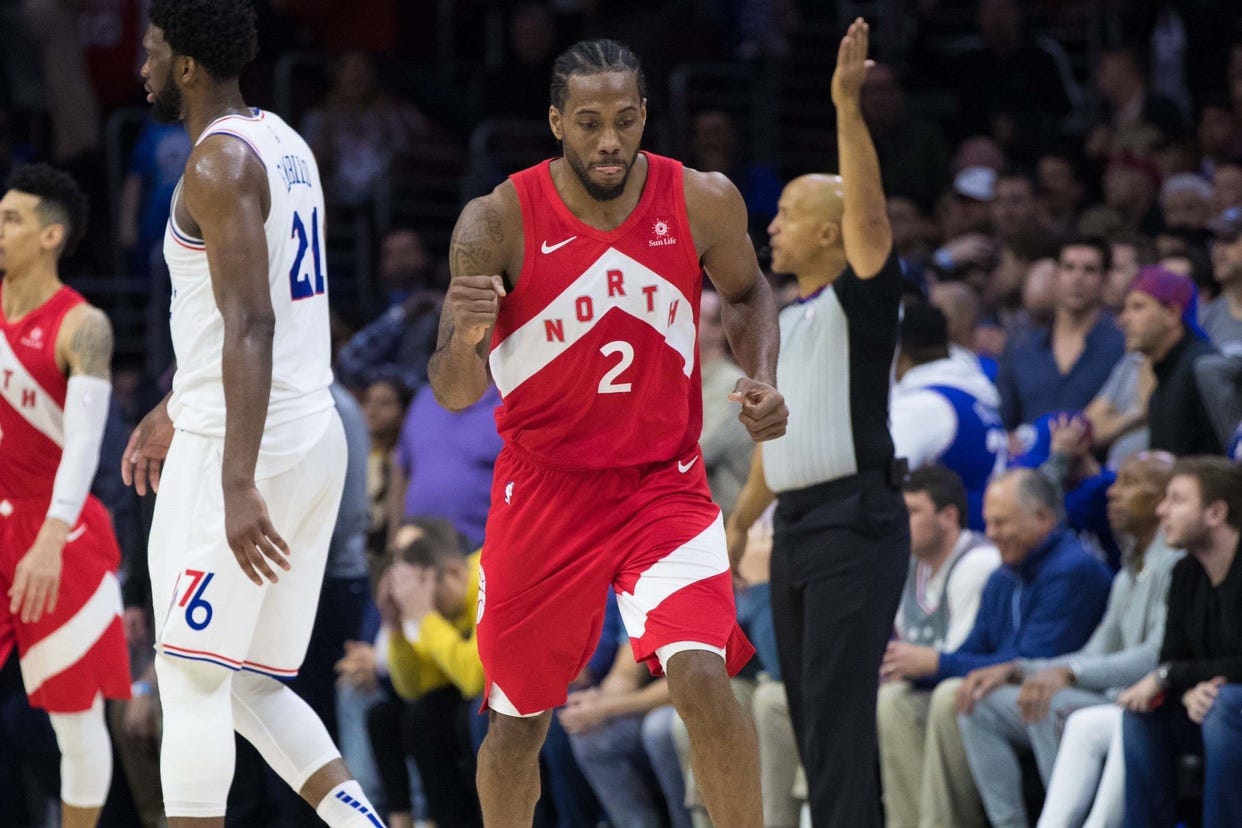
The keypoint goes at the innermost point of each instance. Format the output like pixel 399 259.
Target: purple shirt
pixel 448 458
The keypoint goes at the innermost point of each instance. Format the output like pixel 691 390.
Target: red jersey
pixel 32 398
pixel 595 349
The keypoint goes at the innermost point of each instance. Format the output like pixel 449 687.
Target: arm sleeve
pixel 922 424
pixel 965 591
pixel 86 415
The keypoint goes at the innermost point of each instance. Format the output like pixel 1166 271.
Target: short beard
pixel 596 191
pixel 166 105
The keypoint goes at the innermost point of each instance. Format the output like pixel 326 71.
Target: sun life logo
pixel 661 228
pixel 34 339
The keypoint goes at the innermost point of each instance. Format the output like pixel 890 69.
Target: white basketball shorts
pixel 205 606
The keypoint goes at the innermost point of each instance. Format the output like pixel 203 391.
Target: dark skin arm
pixel 748 310
pixel 486 243
pixel 225 194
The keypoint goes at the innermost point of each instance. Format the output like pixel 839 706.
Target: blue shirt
pixel 1031 385
pixel 1046 606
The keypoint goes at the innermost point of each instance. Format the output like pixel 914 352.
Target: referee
pixel 842 536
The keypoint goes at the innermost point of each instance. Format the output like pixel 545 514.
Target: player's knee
pixel 85 756
pixel 517 738
pixel 699 685
pixel 248 687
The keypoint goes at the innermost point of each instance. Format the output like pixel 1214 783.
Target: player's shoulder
pixel 708 188
pixel 222 160
pixel 496 212
pixel 487 236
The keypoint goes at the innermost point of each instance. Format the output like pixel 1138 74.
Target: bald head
pixel 805 236
pixel 820 193
pixel 961 307
pixel 1139 487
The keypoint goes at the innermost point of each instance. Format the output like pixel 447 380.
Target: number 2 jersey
pixel 594 351
pixel 297 278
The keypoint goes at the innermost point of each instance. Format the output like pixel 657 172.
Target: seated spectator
pixel 621 733
pixel 725 442
pixel 1062 366
pixel 398 344
pixel 1015 210
pixel 963 311
pixel 1137 118
pixel 913 153
pixel 1192 702
pixel 1222 317
pixel 1061 190
pixel 428 597
pixel 383 403
pixel 714 147
pixel 1044 601
pixel 1014 719
pixel 1159 324
pixel 1062 453
pixel 1227 186
pixel 948 569
pixel 943 410
pixel 1185 200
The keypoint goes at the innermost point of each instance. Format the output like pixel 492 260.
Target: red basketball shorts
pixel 78 651
pixel 557 539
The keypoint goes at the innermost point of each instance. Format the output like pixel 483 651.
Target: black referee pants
pixel 839 561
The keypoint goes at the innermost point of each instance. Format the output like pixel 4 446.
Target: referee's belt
pixel 893 475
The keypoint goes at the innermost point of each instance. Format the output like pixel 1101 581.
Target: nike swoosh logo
pixel 75 534
pixel 552 248
pixel 685 467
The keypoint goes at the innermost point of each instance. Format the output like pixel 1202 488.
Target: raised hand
pixel 852 64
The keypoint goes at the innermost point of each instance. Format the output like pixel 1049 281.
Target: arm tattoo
pixel 474 243
pixel 91 346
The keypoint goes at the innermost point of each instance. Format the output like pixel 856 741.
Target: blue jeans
pixel 754 615
pixel 1154 741
pixel 619 759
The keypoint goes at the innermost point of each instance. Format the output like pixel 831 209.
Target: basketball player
pixel 257 444
pixel 576 288
pixel 58 553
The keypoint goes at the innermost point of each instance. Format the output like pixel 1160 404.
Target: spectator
pixel 359 132
pixel 1227 186
pixel 621 733
pixel 444 463
pixel 1219 137
pixel 913 153
pixel 1222 317
pixel 1011 87
pixel 1185 199
pixel 1061 190
pixel 725 442
pixel 1137 120
pixel 518 85
pixel 398 344
pixel 384 404
pixel 1061 450
pixel 963 311
pixel 1192 702
pixel 1015 209
pixel 943 410
pixel 1042 602
pixel 1118 414
pixel 1128 252
pixel 714 147
pixel 1159 324
pixel 428 597
pixel 1013 720
pixel 1063 365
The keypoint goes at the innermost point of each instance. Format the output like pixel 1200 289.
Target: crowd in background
pixel 1069 224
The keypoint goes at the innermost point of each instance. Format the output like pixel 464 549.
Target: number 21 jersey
pixel 297 282
pixel 594 351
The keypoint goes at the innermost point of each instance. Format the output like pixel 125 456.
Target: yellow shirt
pixel 446 651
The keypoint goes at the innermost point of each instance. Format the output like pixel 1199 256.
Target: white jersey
pixel 297 278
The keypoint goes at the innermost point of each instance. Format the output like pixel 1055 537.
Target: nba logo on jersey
pixel 509 492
